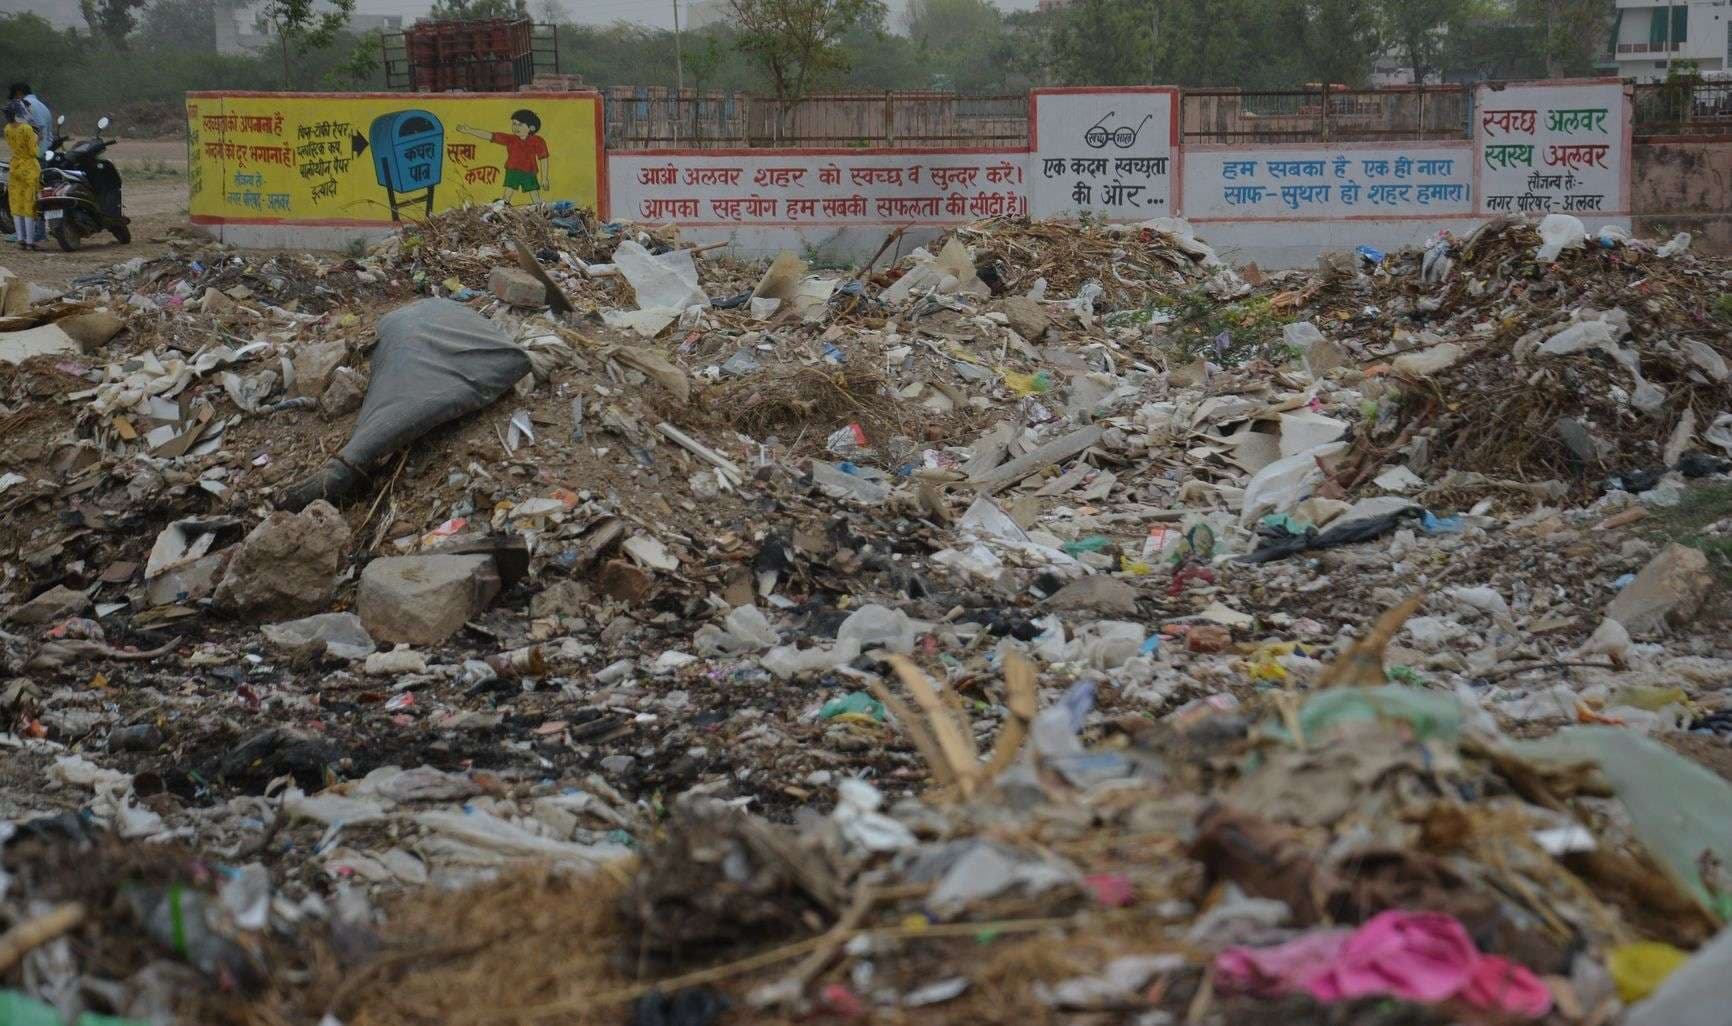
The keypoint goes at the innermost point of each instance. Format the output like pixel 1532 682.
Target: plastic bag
pixel 1559 232
pixel 436 361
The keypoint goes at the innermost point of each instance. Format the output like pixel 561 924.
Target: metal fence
pixel 1325 115
pixel 646 118
pixel 1683 108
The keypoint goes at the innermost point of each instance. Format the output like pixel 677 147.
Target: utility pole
pixel 679 57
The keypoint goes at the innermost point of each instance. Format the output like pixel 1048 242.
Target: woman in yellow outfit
pixel 25 176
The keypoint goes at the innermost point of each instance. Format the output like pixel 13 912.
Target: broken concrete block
pixel 1667 593
pixel 287 566
pixel 422 600
pixel 1026 317
pixel 315 362
pixel 516 287
pixel 1097 593
pixel 344 394
pixel 561 598
pixel 623 581
pixel 52 606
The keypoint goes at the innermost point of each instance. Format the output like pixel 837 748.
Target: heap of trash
pixel 537 619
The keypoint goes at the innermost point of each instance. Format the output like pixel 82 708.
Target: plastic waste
pixel 1680 810
pixel 860 822
pixel 17 1009
pixel 1278 487
pixel 1695 993
pixel 1640 967
pixel 1679 243
pixel 185 922
pixel 665 281
pixel 790 661
pixel 436 361
pixel 1433 715
pixel 1559 232
pixel 1370 254
pixel 338 635
pixel 855 703
pixel 875 626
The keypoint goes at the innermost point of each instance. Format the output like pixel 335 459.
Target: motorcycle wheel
pixel 66 235
pixel 122 235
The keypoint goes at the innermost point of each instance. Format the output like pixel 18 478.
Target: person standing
pixel 37 111
pixel 25 177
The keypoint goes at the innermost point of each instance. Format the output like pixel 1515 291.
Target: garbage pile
pixel 535 619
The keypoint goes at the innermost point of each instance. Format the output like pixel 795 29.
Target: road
pixel 154 171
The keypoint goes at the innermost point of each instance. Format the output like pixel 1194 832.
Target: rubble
pixel 1048 623
pixel 422 600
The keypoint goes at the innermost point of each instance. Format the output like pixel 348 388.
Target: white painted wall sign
pixel 726 188
pixel 1289 183
pixel 1552 148
pixel 1110 153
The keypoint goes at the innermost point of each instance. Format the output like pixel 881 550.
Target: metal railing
pixel 645 118
pixel 1324 115
pixel 1683 108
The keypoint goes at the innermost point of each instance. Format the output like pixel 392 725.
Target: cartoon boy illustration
pixel 525 154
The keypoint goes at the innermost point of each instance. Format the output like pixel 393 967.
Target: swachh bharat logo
pixel 1124 136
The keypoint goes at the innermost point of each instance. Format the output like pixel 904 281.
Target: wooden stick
pixel 929 749
pixel 1019 679
pixel 33 933
pixel 958 745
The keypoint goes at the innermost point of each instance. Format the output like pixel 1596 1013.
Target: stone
pixel 561 598
pixel 619 764
pixel 1096 593
pixel 516 287
pixel 1026 317
pixel 287 566
pixel 52 606
pixel 422 600
pixel 625 582
pixel 1667 593
pixel 344 394
pixel 315 363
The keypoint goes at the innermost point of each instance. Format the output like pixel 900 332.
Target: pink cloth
pixel 1419 956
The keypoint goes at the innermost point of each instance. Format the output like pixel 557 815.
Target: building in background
pixel 1648 38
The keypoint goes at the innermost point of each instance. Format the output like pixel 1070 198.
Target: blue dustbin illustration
pixel 408 155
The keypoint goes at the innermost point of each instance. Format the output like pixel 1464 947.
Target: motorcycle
pixel 81 193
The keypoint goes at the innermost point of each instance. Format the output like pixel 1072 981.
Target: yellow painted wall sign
pixel 359 159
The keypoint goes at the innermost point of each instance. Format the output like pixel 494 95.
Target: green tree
pixel 113 20
pixel 1418 31
pixel 178 25
pixel 478 10
pixel 942 25
pixel 1106 42
pixel 798 43
pixel 1571 32
pixel 302 27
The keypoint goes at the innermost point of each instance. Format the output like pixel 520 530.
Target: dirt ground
pixel 154 171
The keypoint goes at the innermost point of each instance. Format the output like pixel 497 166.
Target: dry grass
pixel 814 400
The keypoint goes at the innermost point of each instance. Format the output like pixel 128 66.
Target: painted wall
pixel 347 161
pixel 300 169
pixel 1684 184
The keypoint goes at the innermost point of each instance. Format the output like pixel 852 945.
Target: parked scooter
pixel 81 192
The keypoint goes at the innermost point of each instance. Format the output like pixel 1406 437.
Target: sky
pixel 654 13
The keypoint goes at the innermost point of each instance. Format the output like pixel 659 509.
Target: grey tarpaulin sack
pixel 436 361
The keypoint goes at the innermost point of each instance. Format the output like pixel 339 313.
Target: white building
pixel 1648 37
